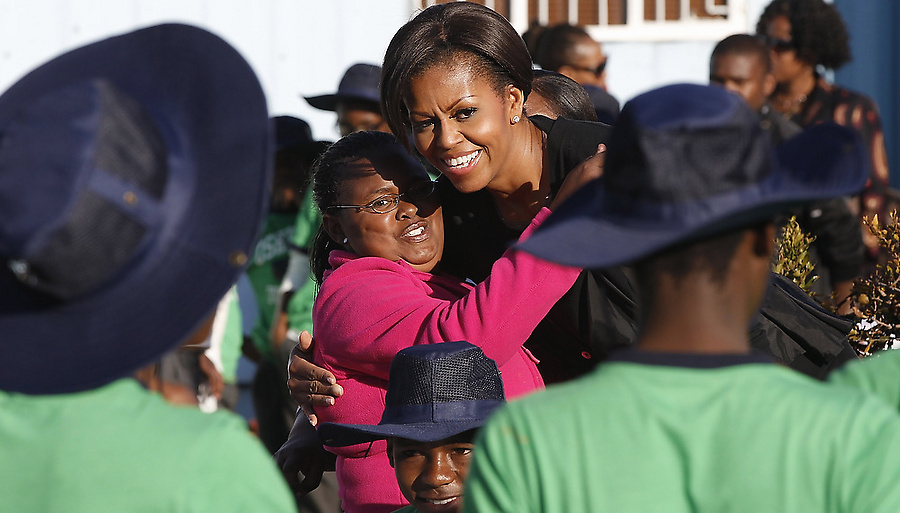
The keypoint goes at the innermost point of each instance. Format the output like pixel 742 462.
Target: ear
pixel 390 451
pixel 333 228
pixel 769 84
pixel 516 99
pixel 764 243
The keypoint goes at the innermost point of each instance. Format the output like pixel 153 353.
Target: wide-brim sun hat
pixel 685 162
pixel 435 391
pixel 361 83
pixel 135 174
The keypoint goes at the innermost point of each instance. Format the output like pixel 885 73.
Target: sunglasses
pixel 596 71
pixel 779 45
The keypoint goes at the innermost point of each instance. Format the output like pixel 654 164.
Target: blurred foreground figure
pixel 134 176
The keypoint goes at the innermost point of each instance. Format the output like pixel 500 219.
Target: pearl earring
pixel 515 119
pixel 345 240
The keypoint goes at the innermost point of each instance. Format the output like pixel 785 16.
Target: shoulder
pixel 347 268
pixel 562 128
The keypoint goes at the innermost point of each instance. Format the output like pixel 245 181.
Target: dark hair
pixel 293 165
pixel 568 97
pixel 817 30
pixel 442 32
pixel 711 255
pixel 556 46
pixel 743 44
pixel 326 180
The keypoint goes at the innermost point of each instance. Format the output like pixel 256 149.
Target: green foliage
pixel 876 298
pixel 792 256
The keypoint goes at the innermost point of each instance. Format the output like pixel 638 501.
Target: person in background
pixel 740 63
pixel 805 36
pixel 273 407
pixel 557 96
pixel 438 396
pixel 356 101
pixel 120 164
pixel 571 51
pixel 691 404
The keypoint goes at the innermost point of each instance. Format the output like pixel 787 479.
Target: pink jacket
pixel 370 308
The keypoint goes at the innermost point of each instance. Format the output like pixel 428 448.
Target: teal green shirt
pixel 121 449
pixel 878 374
pixel 640 437
pixel 299 308
pixel 270 259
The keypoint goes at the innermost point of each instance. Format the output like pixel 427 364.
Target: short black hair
pixel 743 44
pixel 567 96
pixel 555 46
pixel 818 33
pixel 453 32
pixel 325 183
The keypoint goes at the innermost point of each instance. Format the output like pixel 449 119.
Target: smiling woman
pixel 376 259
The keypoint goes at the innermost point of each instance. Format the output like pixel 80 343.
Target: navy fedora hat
pixel 685 162
pixel 361 82
pixel 435 391
pixel 134 177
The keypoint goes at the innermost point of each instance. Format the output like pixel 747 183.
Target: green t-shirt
pixel 407 509
pixel 878 374
pixel 120 448
pixel 232 338
pixel 307 222
pixel 299 308
pixel 645 436
pixel 270 259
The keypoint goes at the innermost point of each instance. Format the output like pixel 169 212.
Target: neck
pixel 789 97
pixel 524 187
pixel 713 321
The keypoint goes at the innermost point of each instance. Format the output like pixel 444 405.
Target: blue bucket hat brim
pixel 598 227
pixel 360 83
pixel 210 109
pixel 342 435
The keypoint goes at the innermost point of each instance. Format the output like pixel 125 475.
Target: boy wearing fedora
pixel 134 176
pixel 438 396
pixel 690 420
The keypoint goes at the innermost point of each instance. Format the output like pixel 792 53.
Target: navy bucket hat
pixel 687 162
pixel 361 82
pixel 134 177
pixel 435 391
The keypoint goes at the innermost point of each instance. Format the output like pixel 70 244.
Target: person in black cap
pixel 356 101
pixel 690 420
pixel 134 176
pixel 438 396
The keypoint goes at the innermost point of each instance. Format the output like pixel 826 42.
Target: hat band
pixel 439 412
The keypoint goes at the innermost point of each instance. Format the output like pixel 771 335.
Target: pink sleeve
pixel 371 308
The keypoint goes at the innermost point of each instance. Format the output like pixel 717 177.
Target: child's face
pixel 431 474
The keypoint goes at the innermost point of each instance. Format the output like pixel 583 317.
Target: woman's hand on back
pixel 309 384
pixel 587 171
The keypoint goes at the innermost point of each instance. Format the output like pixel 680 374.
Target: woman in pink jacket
pixel 377 258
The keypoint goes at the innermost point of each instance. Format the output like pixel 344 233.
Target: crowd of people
pixel 490 226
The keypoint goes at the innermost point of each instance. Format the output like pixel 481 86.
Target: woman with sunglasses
pixel 806 34
pixel 376 258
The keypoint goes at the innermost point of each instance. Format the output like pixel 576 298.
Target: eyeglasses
pixel 389 202
pixel 779 45
pixel 596 71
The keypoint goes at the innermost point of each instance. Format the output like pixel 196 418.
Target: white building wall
pixel 297 47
